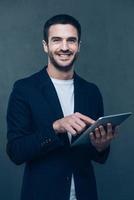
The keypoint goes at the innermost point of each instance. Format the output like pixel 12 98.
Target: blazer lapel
pixel 50 95
pixel 80 99
pixel 79 96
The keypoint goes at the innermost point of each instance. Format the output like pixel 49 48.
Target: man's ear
pixel 45 47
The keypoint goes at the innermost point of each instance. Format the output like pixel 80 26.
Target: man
pixel 47 112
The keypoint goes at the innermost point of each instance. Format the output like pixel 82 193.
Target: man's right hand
pixel 73 124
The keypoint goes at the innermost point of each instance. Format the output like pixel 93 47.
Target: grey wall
pixel 106 58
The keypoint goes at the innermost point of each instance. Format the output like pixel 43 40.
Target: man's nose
pixel 64 46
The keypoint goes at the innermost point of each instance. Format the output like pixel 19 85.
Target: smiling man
pixel 47 112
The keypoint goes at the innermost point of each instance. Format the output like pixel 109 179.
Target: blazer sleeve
pixel 23 143
pixel 100 157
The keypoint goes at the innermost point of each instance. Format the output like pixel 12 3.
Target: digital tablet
pixel 115 120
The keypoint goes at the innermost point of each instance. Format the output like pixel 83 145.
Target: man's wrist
pixel 102 148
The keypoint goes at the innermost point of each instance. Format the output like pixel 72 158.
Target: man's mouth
pixel 64 55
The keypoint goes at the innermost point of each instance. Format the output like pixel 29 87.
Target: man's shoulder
pixel 86 84
pixel 29 81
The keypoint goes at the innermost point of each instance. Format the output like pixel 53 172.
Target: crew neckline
pixel 62 81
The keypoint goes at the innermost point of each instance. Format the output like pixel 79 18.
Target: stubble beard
pixel 65 68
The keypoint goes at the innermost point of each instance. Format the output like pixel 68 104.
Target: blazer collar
pixel 49 93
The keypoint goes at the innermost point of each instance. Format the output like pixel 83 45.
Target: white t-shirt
pixel 65 92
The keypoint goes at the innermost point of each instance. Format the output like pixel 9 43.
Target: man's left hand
pixel 101 137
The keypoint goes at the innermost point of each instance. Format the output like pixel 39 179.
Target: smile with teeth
pixel 64 55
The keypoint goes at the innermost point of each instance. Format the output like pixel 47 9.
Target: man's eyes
pixel 70 40
pixel 56 40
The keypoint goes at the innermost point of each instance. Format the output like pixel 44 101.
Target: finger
pixel 76 127
pixel 85 118
pixel 103 133
pixel 70 129
pixel 92 137
pixel 109 131
pixel 79 122
pixel 97 135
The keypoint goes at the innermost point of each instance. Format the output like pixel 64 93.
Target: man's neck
pixel 55 73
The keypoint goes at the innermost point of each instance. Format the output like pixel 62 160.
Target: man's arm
pixel 24 142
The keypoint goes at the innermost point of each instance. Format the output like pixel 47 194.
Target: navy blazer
pixel 50 159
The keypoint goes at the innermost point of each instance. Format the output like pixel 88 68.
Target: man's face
pixel 62 46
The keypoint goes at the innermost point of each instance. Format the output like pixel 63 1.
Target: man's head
pixel 61 19
pixel 62 35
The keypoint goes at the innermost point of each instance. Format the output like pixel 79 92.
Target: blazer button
pixel 46 141
pixel 43 143
pixel 68 178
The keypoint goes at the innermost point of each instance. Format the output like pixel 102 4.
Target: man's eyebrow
pixel 55 37
pixel 60 38
pixel 72 38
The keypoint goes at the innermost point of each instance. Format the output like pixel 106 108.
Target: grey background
pixel 106 59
